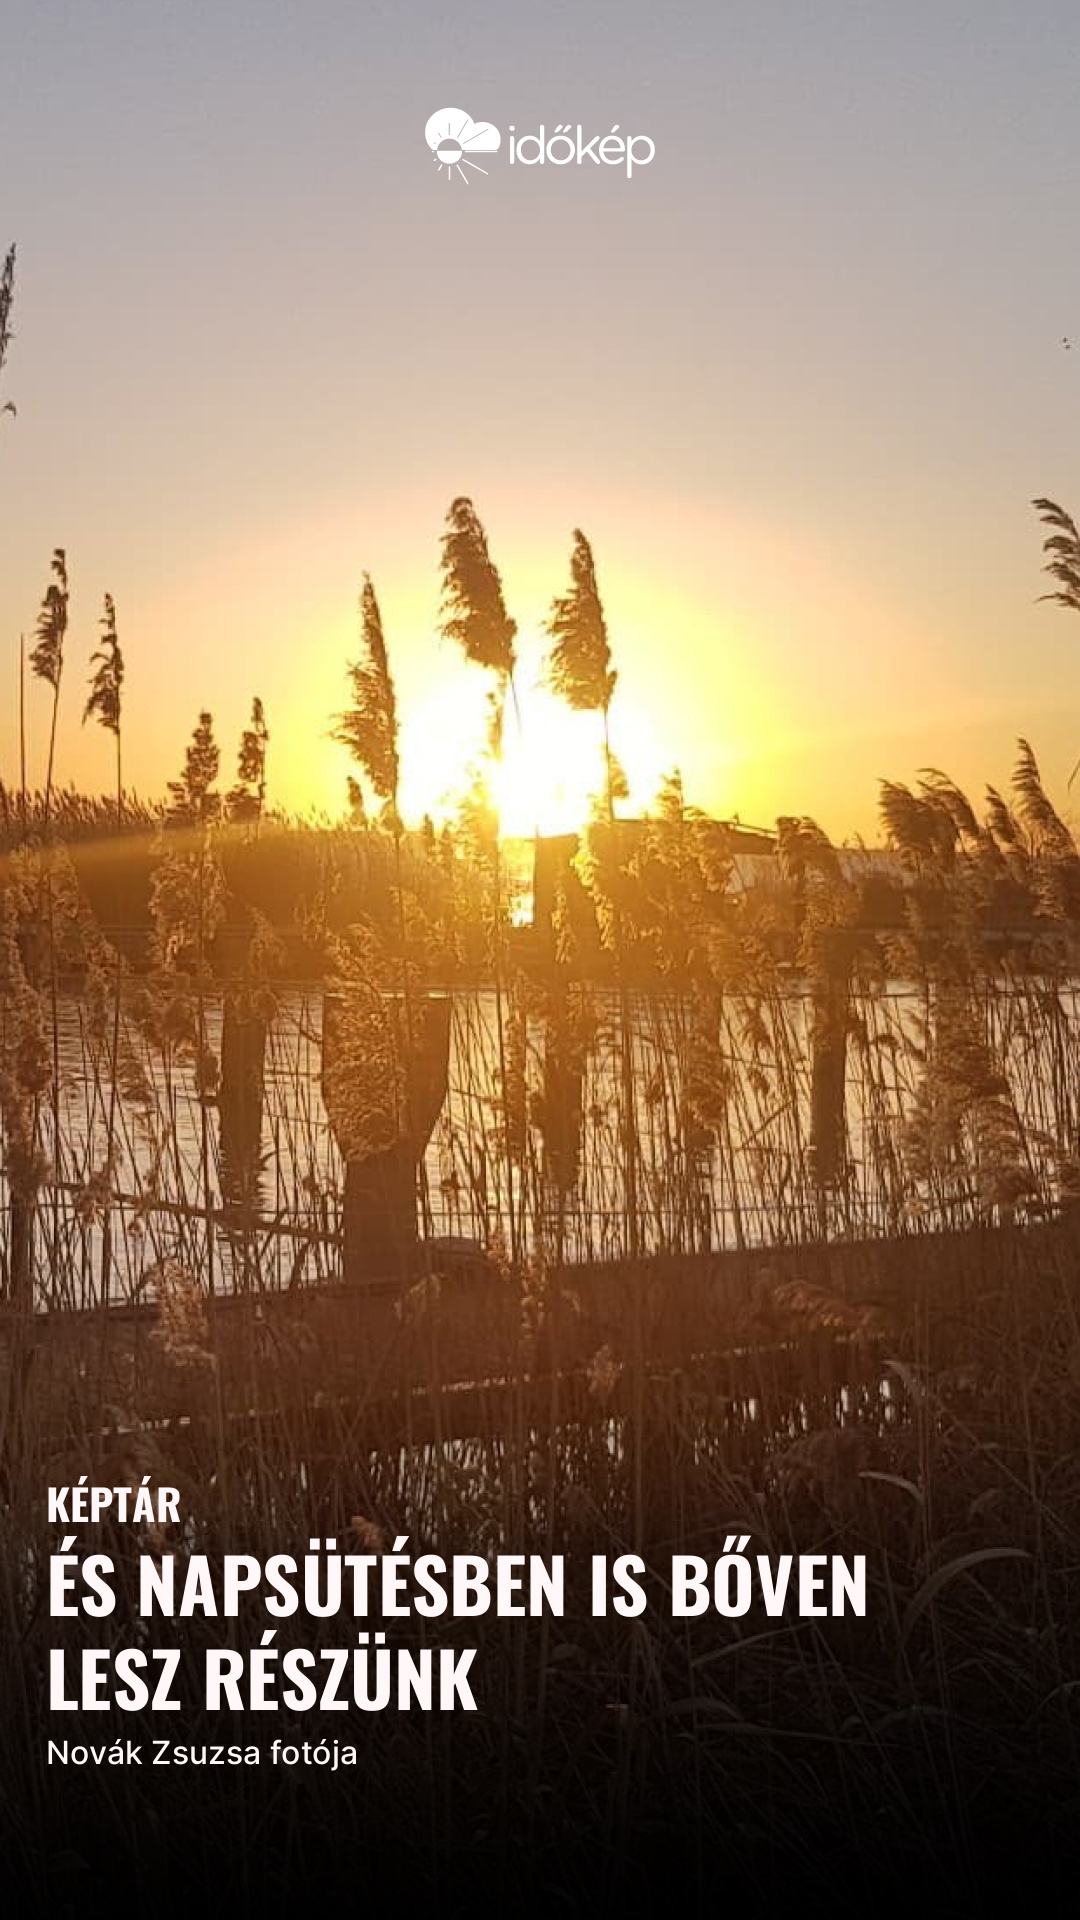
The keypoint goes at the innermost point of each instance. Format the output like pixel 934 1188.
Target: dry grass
pixel 684 1068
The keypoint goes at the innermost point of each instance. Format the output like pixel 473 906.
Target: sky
pixel 798 380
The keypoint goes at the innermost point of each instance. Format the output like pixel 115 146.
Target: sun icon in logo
pixel 454 136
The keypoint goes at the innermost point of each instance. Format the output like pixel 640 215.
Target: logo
pixel 454 136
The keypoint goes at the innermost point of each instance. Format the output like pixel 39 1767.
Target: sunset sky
pixel 797 380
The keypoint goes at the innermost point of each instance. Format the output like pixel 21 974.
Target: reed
pixel 690 1129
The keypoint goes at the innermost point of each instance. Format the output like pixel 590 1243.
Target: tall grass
pixel 862 1091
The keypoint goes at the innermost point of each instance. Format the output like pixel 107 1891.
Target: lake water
pixel 726 1111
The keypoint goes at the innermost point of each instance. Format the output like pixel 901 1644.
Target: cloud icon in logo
pixel 454 137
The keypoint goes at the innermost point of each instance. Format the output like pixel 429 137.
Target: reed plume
pixel 474 611
pixel 247 798
pixel 368 728
pixel 106 682
pixel 1062 544
pixel 7 300
pixel 47 658
pixel 1048 832
pixel 921 826
pixel 365 1076
pixel 580 664
pixel 194 799
pixel 1002 822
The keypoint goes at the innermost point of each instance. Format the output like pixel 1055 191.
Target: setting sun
pixel 550 771
pixel 549 780
pixel 552 764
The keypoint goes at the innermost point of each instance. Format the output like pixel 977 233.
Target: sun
pixel 551 771
pixel 551 775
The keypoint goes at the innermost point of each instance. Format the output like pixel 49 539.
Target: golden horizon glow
pixel 548 779
pixel 741 661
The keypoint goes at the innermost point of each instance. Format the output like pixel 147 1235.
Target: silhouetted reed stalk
pixel 7 301
pixel 582 673
pixel 474 616
pixel 47 664
pixel 104 704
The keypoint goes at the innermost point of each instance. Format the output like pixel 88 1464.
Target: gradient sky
pixel 797 380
